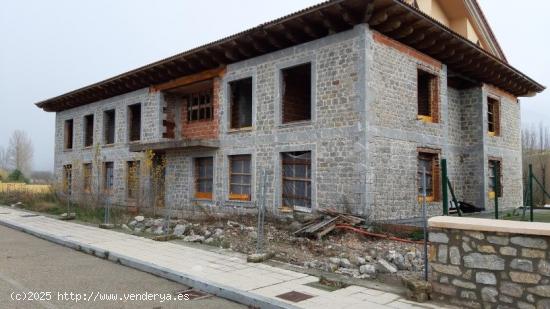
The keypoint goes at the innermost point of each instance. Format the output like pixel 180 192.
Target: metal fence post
pixel 444 189
pixel 531 215
pixel 496 179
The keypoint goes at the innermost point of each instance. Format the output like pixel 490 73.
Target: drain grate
pixel 193 294
pixel 294 296
pixel 29 216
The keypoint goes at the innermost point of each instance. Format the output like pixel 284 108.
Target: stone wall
pixel 363 135
pixel 482 263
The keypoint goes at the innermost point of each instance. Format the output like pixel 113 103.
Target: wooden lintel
pixel 189 79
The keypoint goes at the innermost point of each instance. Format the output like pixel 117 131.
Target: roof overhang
pixel 184 144
pixel 393 18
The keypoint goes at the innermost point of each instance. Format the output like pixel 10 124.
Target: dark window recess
pixel 88 130
pixel 109 126
pixel 240 176
pixel 199 106
pixel 492 164
pixel 87 177
pixel 427 95
pixel 69 134
pixel 108 176
pixel 132 180
pixel 204 176
pixel 429 161
pixel 493 116
pixel 296 85
pixel 241 103
pixel 296 179
pixel 68 179
pixel 134 122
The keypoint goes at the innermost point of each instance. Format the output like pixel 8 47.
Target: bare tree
pixel 20 152
pixel 536 151
pixel 4 161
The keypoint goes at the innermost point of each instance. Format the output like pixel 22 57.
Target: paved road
pixel 29 264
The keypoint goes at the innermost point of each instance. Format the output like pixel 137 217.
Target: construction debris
pixel 321 226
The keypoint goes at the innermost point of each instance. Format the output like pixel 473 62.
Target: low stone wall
pixel 482 263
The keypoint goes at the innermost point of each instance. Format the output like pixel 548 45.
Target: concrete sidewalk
pixel 226 276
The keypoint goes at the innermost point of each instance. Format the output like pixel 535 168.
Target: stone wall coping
pixel 490 225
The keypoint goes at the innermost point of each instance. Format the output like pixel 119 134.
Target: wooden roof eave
pixel 393 18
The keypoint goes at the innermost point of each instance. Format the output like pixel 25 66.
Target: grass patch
pixel 50 203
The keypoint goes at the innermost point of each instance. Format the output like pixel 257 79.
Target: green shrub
pixel 17 176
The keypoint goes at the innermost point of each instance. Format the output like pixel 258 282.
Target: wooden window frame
pixel 232 173
pixel 308 163
pixel 493 116
pixel 491 176
pixel 198 163
pixel 434 155
pixel 206 107
pixel 432 116
pixel 87 171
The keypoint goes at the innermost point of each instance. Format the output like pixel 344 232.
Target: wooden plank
pixel 189 79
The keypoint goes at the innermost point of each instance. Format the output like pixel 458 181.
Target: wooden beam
pixel 345 13
pixel 189 79
pixel 369 9
pixel 389 26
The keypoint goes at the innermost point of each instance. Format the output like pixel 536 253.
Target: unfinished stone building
pixel 339 105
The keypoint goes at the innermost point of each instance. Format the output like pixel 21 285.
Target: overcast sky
pixel 50 47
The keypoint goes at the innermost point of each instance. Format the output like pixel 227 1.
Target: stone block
pixel 447 269
pixel 522 264
pixel 498 240
pixel 511 251
pixel 529 242
pixel 522 277
pixel 438 237
pixel 483 261
pixel 486 278
pixel 540 290
pixel 489 294
pixel 511 289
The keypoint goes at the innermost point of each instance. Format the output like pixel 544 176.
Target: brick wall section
pixel 475 269
pixel 203 129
